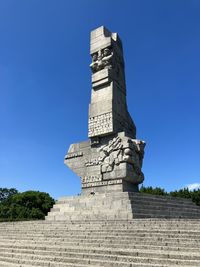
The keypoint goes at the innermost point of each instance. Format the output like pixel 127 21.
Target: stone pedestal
pixel 115 205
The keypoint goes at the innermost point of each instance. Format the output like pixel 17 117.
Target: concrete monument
pixel 111 159
pixel 110 162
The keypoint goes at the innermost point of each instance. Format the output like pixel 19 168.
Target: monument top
pixel 102 37
pixel 108 97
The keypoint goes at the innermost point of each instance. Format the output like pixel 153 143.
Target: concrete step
pixel 105 222
pixel 93 225
pixel 72 246
pixel 4 263
pixel 123 205
pixel 163 202
pixel 98 252
pixel 139 242
pixel 136 240
pixel 104 260
pixel 67 217
pixel 160 245
pixel 103 233
pixel 8 262
pixel 94 240
pixel 125 201
pixel 123 209
pixel 173 211
pixel 119 196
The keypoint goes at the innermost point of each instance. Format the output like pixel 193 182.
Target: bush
pixel 30 205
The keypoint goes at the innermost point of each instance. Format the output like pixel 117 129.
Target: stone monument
pixel 111 160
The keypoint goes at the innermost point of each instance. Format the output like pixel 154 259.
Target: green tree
pixel 153 191
pixel 28 205
pixel 196 196
pixel 184 193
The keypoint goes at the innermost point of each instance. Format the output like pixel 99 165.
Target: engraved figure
pixel 101 60
pixel 94 65
pixel 107 58
pixel 110 155
pixel 115 153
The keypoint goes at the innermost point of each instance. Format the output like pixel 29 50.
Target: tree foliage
pixel 154 191
pixel 182 193
pixel 185 193
pixel 28 205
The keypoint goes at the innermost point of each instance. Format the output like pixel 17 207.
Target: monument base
pixel 121 206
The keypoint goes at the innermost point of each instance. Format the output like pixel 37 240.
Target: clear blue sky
pixel 45 87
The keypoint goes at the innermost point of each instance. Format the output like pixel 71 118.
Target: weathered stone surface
pixel 95 243
pixel 112 156
pixel 117 205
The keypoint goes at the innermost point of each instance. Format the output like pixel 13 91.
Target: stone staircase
pixel 122 205
pixel 125 243
pixel 108 229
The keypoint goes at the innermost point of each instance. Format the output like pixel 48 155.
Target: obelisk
pixel 111 160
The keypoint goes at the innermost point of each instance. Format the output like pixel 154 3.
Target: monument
pixel 102 228
pixel 111 160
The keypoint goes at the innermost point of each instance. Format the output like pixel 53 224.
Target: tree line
pixel 29 205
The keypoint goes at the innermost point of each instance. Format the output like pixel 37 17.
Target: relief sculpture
pixel 101 60
pixel 116 152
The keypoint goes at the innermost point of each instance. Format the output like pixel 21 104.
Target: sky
pixel 45 87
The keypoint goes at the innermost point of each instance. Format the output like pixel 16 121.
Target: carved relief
pixel 91 179
pixel 91 162
pixel 94 65
pixel 102 59
pixel 100 124
pixel 107 59
pixel 117 152
pixel 74 155
pixel 110 155
pixel 101 183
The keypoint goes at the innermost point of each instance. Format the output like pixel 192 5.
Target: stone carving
pixel 100 124
pixel 116 152
pixel 92 162
pixel 74 155
pixel 102 183
pixel 101 60
pixel 91 179
pixel 112 157
pixel 94 65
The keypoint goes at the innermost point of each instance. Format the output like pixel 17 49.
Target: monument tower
pixel 111 160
